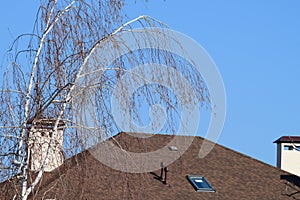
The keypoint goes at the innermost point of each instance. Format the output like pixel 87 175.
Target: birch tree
pixel 40 79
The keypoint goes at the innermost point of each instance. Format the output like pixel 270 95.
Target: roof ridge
pixel 249 157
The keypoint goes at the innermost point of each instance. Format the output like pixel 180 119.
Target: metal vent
pixel 173 148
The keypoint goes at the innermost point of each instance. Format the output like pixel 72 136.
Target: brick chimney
pixel 39 136
pixel 288 154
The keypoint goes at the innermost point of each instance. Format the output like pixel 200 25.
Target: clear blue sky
pixel 255 44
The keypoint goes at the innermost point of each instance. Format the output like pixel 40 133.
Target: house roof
pixel 289 139
pixel 232 174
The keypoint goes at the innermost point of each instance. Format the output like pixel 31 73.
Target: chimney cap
pixel 288 139
pixel 45 123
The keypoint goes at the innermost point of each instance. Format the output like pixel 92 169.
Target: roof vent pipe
pixel 166 171
pixel 163 170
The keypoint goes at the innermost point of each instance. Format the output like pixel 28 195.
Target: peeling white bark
pixel 24 166
pixel 64 104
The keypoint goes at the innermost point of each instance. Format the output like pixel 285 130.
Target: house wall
pixel 288 158
pixel 39 140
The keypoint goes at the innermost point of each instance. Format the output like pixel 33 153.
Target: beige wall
pixel 288 159
pixel 39 140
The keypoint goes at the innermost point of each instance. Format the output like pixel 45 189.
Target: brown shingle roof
pixel 292 139
pixel 232 174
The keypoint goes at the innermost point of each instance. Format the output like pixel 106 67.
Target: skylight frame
pixel 206 186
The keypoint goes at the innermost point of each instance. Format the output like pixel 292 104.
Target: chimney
pixel 288 154
pixel 39 137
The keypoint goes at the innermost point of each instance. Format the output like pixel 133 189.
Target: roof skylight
pixel 200 183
